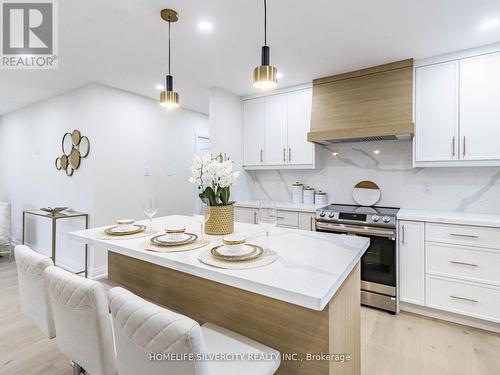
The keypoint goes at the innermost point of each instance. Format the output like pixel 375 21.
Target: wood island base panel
pixel 288 328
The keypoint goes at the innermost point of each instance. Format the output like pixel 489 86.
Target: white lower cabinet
pixel 462 262
pixel 461 297
pixel 284 218
pixel 306 221
pixel 411 262
pixel 245 215
pixel 454 268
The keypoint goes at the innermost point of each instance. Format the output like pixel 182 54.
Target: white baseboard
pixel 98 272
pixel 450 317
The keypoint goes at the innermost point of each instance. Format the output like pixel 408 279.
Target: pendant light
pixel 169 98
pixel 265 76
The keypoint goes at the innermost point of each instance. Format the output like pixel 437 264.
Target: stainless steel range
pixel 378 264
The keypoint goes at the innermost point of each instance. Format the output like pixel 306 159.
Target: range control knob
pixel 375 218
pixel 386 219
pixel 322 214
pixel 332 214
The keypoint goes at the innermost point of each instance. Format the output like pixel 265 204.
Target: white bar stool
pixel 143 328
pixel 81 318
pixel 32 293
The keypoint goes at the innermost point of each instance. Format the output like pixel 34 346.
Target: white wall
pixel 455 189
pixel 128 133
pixel 226 135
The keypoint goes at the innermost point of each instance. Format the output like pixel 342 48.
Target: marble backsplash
pixel 389 164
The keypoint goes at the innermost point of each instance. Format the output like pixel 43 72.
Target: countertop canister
pixel 297 189
pixel 320 198
pixel 308 195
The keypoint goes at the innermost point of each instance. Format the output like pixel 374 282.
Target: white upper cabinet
pixel 254 131
pixel 457 110
pixel 276 127
pixel 276 130
pixel 436 112
pixel 299 122
pixel 480 107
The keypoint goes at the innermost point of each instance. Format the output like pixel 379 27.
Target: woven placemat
pixel 266 258
pixel 101 235
pixel 147 245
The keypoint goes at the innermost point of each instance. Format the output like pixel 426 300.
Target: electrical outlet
pixel 428 187
pixel 147 172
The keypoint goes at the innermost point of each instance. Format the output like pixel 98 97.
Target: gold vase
pixel 220 219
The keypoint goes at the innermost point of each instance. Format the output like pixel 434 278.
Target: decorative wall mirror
pixel 75 147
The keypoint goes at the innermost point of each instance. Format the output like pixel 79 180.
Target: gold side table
pixel 54 218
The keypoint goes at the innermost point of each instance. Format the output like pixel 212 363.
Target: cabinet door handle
pixel 464 298
pixel 464 263
pixel 278 217
pixel 463 235
pixel 464 146
pixel 403 234
pixel 261 155
pixel 453 147
pixel 284 155
pixel 289 154
pixel 255 217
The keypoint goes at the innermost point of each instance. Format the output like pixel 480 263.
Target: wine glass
pixel 267 218
pixel 202 214
pixel 150 208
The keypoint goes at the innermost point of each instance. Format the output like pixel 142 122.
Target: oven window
pixel 378 264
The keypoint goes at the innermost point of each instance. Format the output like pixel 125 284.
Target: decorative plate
pixel 112 232
pixel 244 249
pixel 156 240
pixel 366 193
pixel 258 251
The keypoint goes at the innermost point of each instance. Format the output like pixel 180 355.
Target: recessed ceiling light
pixel 279 75
pixel 490 24
pixel 205 26
pixel 376 152
pixel 335 153
pixel 160 87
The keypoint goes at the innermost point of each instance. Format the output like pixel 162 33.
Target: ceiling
pixel 122 43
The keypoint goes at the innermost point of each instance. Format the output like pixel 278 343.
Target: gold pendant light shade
pixel 169 99
pixel 265 77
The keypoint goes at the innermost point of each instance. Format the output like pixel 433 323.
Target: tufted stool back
pixel 82 322
pixel 142 328
pixel 32 294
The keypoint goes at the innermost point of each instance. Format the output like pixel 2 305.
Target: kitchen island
pixel 306 302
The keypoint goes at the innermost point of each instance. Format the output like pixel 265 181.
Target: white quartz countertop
pixel 287 206
pixel 450 217
pixel 311 266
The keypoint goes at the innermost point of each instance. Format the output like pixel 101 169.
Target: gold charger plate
pixel 192 237
pixel 140 228
pixel 257 252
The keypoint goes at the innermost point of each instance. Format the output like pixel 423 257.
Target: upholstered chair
pixel 5 241
pixel 81 318
pixel 145 334
pixel 32 294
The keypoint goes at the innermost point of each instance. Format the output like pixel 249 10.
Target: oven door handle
pixel 352 229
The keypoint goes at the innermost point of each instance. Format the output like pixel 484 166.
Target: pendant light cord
pixel 265 22
pixel 169 47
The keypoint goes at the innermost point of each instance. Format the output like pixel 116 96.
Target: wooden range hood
pixel 366 105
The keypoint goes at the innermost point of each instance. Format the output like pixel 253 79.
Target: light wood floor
pixel 405 344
